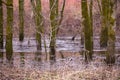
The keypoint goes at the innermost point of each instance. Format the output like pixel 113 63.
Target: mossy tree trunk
pixel 1 25
pixel 54 24
pixel 87 29
pixel 9 34
pixel 104 28
pixel 107 38
pixel 110 55
pixel 91 27
pixel 37 10
pixel 21 20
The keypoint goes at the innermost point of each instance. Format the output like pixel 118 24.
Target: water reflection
pixel 38 60
pixel 38 56
pixel 22 59
pixel 1 57
pixel 110 54
pixel 9 59
pixel 38 53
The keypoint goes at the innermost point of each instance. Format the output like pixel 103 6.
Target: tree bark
pixel 87 29
pixel 37 10
pixel 107 38
pixel 104 28
pixel 9 34
pixel 54 24
pixel 39 23
pixel 1 25
pixel 110 55
pixel 21 20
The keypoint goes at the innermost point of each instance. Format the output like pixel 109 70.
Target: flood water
pixel 68 54
pixel 62 44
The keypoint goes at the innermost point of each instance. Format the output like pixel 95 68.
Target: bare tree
pixel 37 10
pixel 55 20
pixel 54 24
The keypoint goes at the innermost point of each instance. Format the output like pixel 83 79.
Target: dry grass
pixel 64 71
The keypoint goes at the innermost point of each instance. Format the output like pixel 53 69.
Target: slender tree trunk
pixel 39 23
pixel 87 29
pixel 91 26
pixel 21 20
pixel 9 34
pixel 61 15
pixel 104 28
pixel 110 55
pixel 1 25
pixel 37 10
pixel 54 24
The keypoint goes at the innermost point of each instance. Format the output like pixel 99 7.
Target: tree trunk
pixel 87 29
pixel 110 55
pixel 107 38
pixel 37 10
pixel 91 26
pixel 1 25
pixel 21 20
pixel 39 23
pixel 104 28
pixel 9 34
pixel 54 24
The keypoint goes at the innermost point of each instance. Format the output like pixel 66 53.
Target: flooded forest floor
pixel 29 64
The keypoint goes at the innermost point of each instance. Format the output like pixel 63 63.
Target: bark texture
pixel 87 29
pixel 21 20
pixel 9 34
pixel 1 25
